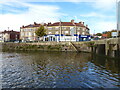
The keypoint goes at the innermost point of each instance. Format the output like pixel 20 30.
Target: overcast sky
pixel 100 15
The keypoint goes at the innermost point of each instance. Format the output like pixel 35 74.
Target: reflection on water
pixel 58 70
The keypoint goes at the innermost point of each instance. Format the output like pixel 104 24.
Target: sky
pixel 99 15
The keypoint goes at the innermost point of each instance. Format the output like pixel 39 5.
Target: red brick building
pixel 104 35
pixel 9 35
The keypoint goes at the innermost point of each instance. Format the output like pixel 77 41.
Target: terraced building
pixel 58 31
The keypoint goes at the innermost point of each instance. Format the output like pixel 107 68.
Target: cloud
pixel 97 15
pixel 3 1
pixel 104 5
pixel 92 14
pixel 102 26
pixel 35 13
pixel 15 18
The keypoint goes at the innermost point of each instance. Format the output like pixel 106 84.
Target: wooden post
pixel 106 48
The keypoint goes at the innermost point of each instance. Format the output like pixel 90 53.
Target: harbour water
pixel 36 69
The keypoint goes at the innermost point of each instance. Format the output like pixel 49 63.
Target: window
pixel 35 29
pixel 56 32
pixel 49 28
pixel 66 32
pixel 34 34
pixel 22 34
pixel 78 33
pixel 26 34
pixel 56 27
pixel 63 27
pixel 31 29
pixel 83 33
pixel 22 30
pixel 79 28
pixel 30 34
pixel 49 32
pixel 83 29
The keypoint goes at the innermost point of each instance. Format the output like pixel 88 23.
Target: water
pixel 58 70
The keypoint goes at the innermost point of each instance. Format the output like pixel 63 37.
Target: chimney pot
pixel 35 23
pixel 72 21
pixel 83 23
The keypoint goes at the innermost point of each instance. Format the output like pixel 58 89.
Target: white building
pixel 58 31
pixel 67 31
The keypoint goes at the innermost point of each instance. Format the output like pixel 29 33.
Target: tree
pixel 109 34
pixel 41 31
pixel 99 34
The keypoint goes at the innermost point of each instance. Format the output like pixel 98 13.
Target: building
pixel 27 33
pixel 58 31
pixel 104 36
pixel 9 36
pixel 67 31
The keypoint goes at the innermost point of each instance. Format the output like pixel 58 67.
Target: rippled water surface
pixel 58 70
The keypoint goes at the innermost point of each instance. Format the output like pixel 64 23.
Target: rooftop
pixel 72 23
pixel 9 31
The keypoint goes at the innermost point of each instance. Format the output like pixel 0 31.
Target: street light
pixel 118 16
pixel 75 30
pixel 60 30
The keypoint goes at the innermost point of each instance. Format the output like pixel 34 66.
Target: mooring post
pixel 106 48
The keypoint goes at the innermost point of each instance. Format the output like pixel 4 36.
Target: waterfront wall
pixel 44 46
pixel 48 46
pixel 108 47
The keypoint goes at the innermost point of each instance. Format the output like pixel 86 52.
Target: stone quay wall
pixel 108 47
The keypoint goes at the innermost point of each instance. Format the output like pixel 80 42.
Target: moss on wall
pixel 23 46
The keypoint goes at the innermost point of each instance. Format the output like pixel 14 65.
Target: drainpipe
pixel 75 31
pixel 60 30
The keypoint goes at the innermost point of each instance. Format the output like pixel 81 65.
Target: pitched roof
pixel 67 24
pixel 31 25
pixel 11 31
pixel 56 24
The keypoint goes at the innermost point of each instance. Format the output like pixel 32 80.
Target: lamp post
pixel 60 30
pixel 8 28
pixel 76 32
pixel 118 16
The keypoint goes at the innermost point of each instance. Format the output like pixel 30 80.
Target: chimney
pixel 86 25
pixel 49 23
pixel 83 23
pixel 35 23
pixel 72 21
